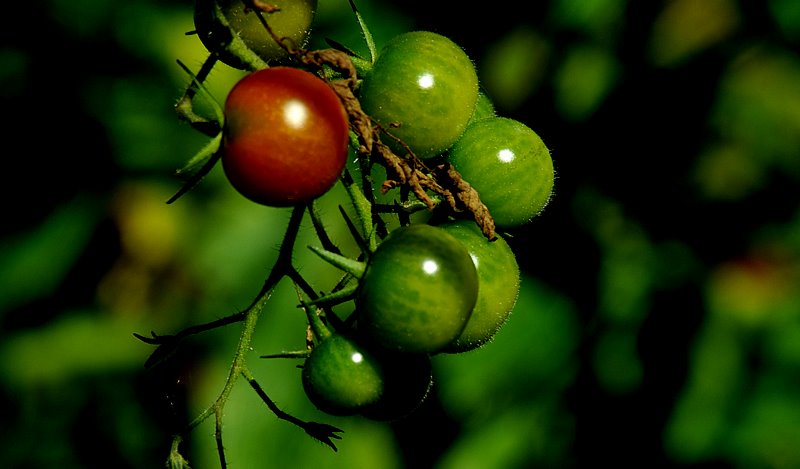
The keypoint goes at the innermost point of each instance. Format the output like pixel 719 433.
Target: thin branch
pixel 281 267
pixel 321 432
pixel 168 343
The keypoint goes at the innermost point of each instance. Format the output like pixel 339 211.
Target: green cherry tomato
pixel 484 108
pixel 509 166
pixel 417 291
pixel 499 283
pixel 216 22
pixel 340 377
pixel 285 136
pixel 426 84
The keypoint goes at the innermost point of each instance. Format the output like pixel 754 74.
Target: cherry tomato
pixel 426 84
pixel 341 377
pixel 484 108
pixel 499 283
pixel 418 290
pixel 509 166
pixel 286 136
pixel 293 21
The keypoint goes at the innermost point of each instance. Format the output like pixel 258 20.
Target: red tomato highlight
pixel 285 137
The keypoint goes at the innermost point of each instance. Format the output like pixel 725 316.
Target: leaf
pixel 206 158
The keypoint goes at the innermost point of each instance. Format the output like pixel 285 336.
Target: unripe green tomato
pixel 417 292
pixel 484 108
pixel 426 84
pixel 498 284
pixel 293 21
pixel 340 377
pixel 509 166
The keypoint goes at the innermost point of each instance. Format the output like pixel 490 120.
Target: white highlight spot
pixel 425 81
pixel 357 357
pixel 430 267
pixel 505 155
pixel 295 113
pixel 474 260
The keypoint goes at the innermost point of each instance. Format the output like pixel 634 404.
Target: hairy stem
pixel 281 267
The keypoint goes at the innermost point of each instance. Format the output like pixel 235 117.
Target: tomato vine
pixel 431 183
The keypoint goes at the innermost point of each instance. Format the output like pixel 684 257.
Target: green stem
pixel 363 208
pixel 319 228
pixel 237 46
pixel 322 432
pixel 185 108
pixel 252 313
pixel 373 51
pixel 353 267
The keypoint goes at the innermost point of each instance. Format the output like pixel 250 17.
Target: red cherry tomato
pixel 285 137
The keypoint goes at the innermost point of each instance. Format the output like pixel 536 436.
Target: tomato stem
pixel 370 41
pixel 363 209
pixel 236 46
pixel 353 267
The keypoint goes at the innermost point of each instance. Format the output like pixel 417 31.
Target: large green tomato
pixel 293 21
pixel 418 290
pixel 426 84
pixel 499 283
pixel 509 166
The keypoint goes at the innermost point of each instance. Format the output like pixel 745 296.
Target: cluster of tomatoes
pixel 424 288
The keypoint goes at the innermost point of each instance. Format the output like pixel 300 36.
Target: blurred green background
pixel 659 321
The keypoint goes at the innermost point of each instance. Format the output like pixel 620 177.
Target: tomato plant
pixel 498 285
pixel 286 136
pixel 228 30
pixel 441 282
pixel 418 290
pixel 510 167
pixel 427 85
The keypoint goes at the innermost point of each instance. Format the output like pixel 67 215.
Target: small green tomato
pixel 340 377
pixel 498 284
pixel 217 21
pixel 427 86
pixel 509 166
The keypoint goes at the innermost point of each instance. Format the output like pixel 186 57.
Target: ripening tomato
pixel 285 136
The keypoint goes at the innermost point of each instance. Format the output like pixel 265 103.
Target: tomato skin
pixel 499 284
pixel 340 377
pixel 293 21
pixel 484 107
pixel 418 290
pixel 285 136
pixel 428 85
pixel 510 167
